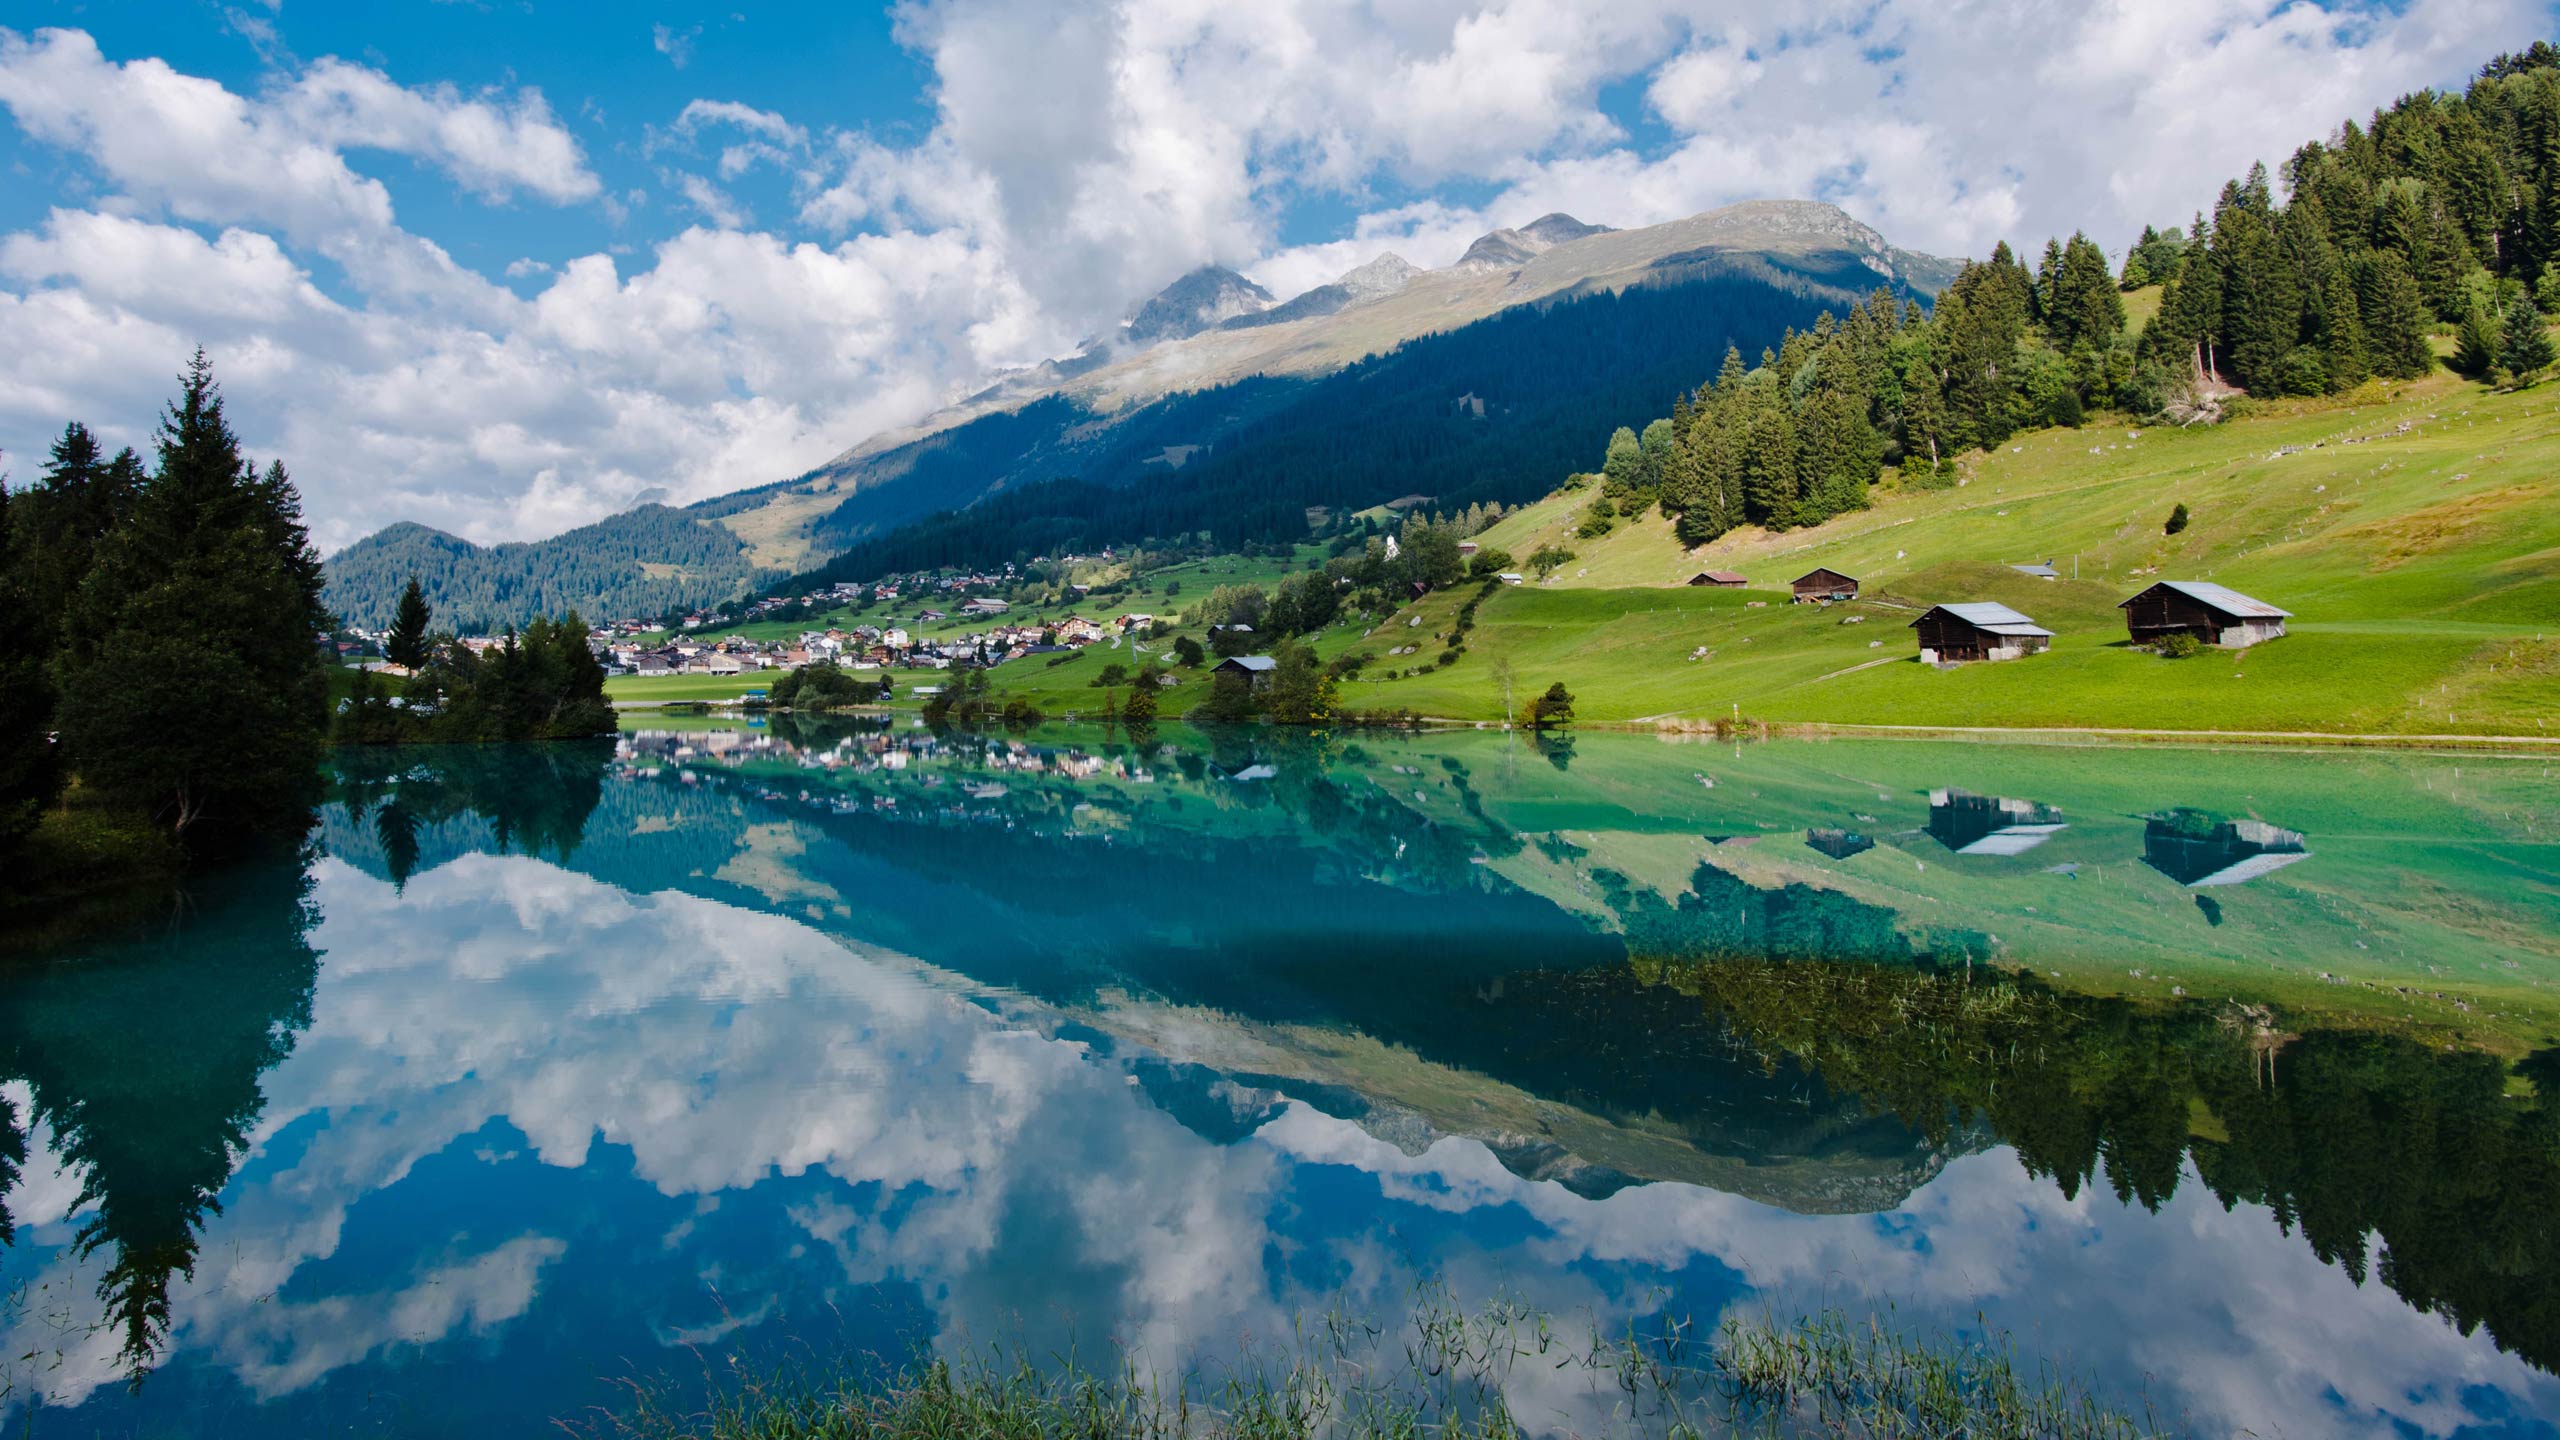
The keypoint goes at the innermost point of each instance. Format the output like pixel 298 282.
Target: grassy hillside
pixel 2422 564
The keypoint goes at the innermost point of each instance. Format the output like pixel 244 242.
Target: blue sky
pixel 506 267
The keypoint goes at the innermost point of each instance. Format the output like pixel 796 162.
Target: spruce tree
pixel 2525 347
pixel 2343 342
pixel 1924 415
pixel 2396 320
pixel 406 645
pixel 1768 464
pixel 193 686
pixel 2476 343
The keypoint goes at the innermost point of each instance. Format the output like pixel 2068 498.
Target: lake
pixel 2210 1076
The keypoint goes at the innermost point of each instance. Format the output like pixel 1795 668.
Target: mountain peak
pixel 1208 296
pixel 1383 276
pixel 1509 249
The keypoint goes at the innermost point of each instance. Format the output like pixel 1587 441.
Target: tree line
pixel 2442 208
pixel 639 564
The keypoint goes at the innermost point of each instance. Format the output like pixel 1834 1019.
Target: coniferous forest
pixel 166 620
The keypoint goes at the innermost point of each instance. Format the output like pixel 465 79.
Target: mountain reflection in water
pixel 561 1056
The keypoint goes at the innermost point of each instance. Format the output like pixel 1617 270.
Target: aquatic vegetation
pixel 1446 1375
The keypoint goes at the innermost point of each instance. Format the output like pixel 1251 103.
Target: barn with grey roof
pixel 2214 614
pixel 1978 630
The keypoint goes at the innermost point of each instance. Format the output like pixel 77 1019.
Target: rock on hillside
pixel 1208 296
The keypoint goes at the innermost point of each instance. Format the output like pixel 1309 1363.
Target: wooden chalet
pixel 1979 630
pixel 1722 579
pixel 2214 614
pixel 1257 670
pixel 1824 586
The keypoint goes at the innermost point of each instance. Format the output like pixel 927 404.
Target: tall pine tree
pixel 406 645
pixel 192 686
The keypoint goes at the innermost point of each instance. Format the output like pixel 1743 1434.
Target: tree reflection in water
pixel 144 1058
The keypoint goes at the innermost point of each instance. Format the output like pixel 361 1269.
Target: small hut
pixel 1824 586
pixel 1980 630
pixel 2214 614
pixel 1722 579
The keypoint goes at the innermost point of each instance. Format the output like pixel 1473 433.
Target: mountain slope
pixel 636 564
pixel 1199 362
pixel 1495 411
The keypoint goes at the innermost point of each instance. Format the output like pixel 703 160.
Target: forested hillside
pixel 642 562
pixel 1493 411
pixel 2443 209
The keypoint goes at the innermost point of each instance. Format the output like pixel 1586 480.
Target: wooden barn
pixel 2214 614
pixel 1257 670
pixel 1825 586
pixel 1980 630
pixel 1725 579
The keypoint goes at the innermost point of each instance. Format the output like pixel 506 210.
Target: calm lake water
pixel 2210 1076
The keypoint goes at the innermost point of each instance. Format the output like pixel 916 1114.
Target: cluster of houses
pixel 1959 632
pixel 866 647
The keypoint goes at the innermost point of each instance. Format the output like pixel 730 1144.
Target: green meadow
pixel 2422 566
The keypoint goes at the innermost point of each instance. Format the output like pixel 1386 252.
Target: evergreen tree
pixel 406 645
pixel 2475 344
pixel 2343 343
pixel 2085 304
pixel 30 772
pixel 1768 465
pixel 2525 347
pixel 1924 414
pixel 192 685
pixel 1624 465
pixel 2261 295
pixel 1555 707
pixel 2395 320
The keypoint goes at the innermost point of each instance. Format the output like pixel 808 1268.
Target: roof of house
pixel 1990 615
pixel 2219 597
pixel 1819 571
pixel 1725 577
pixel 1250 662
pixel 2043 570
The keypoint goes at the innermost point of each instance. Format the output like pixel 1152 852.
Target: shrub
pixel 2181 646
pixel 1555 707
pixel 2177 519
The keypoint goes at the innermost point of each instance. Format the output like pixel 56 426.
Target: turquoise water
pixel 2209 1076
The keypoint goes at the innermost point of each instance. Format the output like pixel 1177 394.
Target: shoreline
pixel 2092 735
